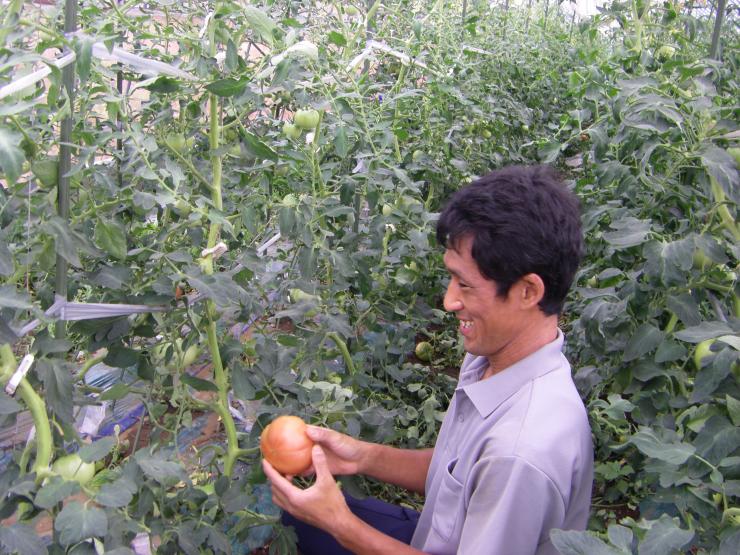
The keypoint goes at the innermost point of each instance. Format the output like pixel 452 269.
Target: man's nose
pixel 452 302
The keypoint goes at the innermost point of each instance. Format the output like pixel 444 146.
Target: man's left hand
pixel 322 505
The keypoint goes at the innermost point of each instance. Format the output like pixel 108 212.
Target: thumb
pixel 320 465
pixel 315 433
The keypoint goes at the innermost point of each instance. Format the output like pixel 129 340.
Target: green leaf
pixel 121 357
pixel 164 84
pixel 8 405
pixel 198 384
pixel 67 242
pixel 11 155
pixel 111 237
pixel 712 375
pixel 115 392
pixel 685 307
pixel 262 25
pixel 83 51
pixel 664 537
pixel 645 339
pixel 55 491
pixel 6 259
pixel 549 152
pixel 118 493
pixel 258 149
pixel 733 409
pixel 227 87
pixel 652 446
pixel 77 522
pixel 20 538
pixel 160 469
pixel 243 388
pixel 7 335
pixel 571 542
pixel 97 450
pixel 629 232
pixel 231 62
pixel 720 165
pixel 704 331
pixel 58 387
pixel 341 144
pixel 337 38
pixel 11 298
pixel 621 537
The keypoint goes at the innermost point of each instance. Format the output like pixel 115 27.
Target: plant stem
pixel 37 408
pixel 222 383
pixel 334 336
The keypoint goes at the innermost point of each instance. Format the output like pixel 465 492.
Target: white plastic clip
pixel 216 251
pixel 19 374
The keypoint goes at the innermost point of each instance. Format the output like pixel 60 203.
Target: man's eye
pixel 464 286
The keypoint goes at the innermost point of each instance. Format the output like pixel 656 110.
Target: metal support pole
pixel 529 13
pixel 714 49
pixel 65 158
pixel 464 11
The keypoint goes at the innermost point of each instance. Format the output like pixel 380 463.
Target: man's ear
pixel 530 289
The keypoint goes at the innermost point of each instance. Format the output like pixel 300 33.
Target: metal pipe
pixel 714 49
pixel 65 159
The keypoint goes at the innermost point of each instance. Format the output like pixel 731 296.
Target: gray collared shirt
pixel 513 460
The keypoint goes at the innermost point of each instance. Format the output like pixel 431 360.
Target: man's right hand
pixel 345 455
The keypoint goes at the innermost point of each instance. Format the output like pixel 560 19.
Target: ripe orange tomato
pixel 286 446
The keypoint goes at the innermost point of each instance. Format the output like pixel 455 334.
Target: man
pixel 513 459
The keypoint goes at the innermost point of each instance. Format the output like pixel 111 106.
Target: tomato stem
pixel 37 408
pixel 334 336
pixel 221 407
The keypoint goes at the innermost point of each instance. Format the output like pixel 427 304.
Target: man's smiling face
pixel 488 322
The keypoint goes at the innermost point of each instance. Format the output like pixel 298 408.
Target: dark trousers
pixel 392 520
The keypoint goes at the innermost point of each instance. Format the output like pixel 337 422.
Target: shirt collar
pixel 486 395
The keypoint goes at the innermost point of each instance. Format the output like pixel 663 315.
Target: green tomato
pixel 306 119
pixel 290 201
pixel 177 142
pixel 291 131
pixel 387 210
pixel 417 155
pixel 351 10
pixel 665 52
pixel 191 355
pixel 72 468
pixel 702 351
pixel 235 150
pixel 701 260
pixel 298 295
pixel 486 134
pixel 183 207
pixel 282 169
pixel 735 153
pixel 46 172
pixel 424 351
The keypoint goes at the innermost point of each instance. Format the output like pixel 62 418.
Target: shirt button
pixel 461 418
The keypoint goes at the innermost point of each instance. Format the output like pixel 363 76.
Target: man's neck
pixel 529 341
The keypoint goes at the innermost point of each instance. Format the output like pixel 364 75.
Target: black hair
pixel 523 220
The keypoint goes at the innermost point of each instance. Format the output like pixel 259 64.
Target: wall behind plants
pixel 166 166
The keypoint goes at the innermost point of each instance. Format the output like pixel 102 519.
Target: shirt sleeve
pixel 512 507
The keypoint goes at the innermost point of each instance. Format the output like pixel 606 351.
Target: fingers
pixel 320 464
pixel 317 434
pixel 277 479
